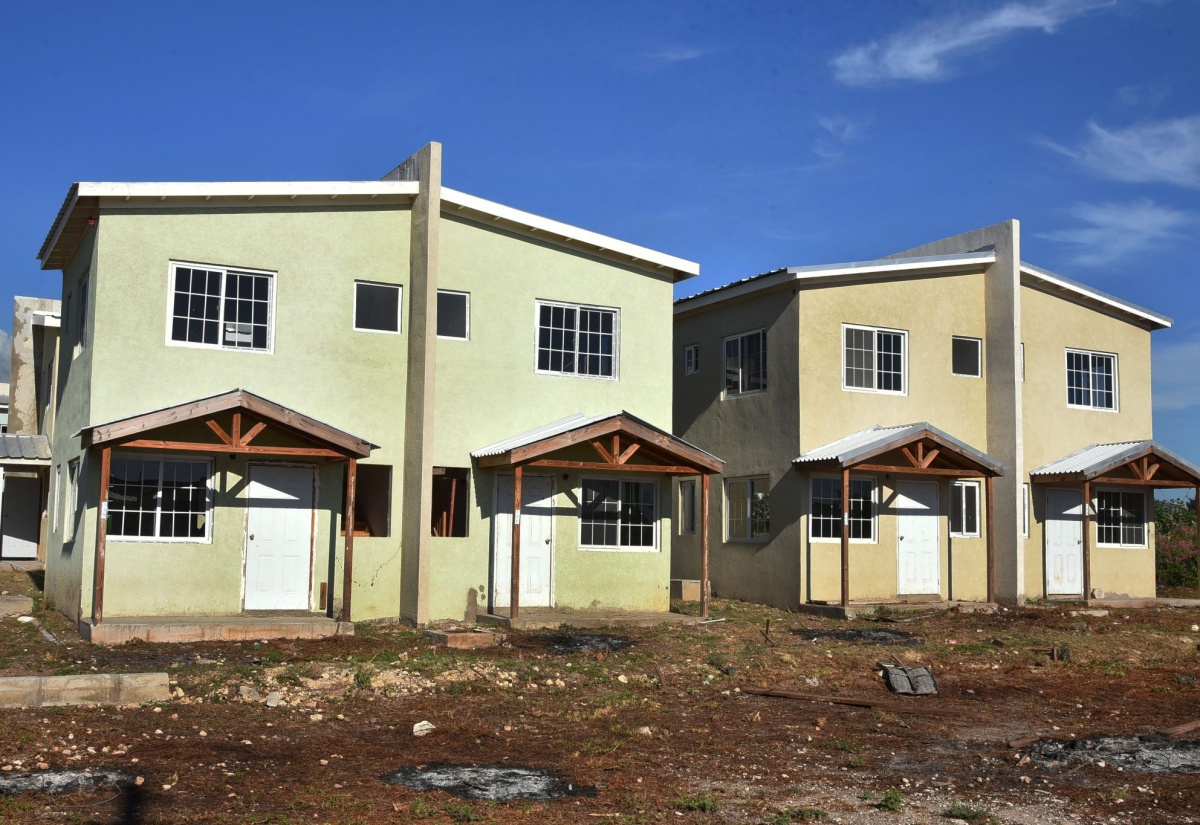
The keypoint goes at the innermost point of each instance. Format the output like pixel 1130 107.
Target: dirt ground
pixel 661 731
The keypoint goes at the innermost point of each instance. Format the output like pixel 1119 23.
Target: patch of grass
pixel 1115 794
pixel 421 809
pixel 702 802
pixel 857 762
pixel 970 813
pixel 362 678
pixel 891 800
pixel 801 814
pixel 462 812
pixel 846 747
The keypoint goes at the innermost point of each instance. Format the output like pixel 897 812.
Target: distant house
pixel 353 400
pixel 923 426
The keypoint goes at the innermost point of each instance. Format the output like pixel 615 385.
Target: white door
pixel 21 516
pixel 917 531
pixel 537 546
pixel 279 523
pixel 1064 543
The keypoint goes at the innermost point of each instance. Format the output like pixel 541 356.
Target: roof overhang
pixel 618 438
pixel 1073 290
pixel 1136 463
pixel 21 450
pixel 926 451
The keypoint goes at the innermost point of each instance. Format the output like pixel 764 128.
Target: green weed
pixel 702 802
pixel 891 800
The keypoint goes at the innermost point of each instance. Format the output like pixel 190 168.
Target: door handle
pixel 547 541
pixel 251 537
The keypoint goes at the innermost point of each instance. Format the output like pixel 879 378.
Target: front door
pixel 917 529
pixel 537 546
pixel 1064 543
pixel 279 538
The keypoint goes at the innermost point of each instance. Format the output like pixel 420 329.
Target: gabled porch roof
pixel 927 450
pixel 1148 464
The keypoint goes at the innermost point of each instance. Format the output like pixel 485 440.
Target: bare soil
pixel 661 730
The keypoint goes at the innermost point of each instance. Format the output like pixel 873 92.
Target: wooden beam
pixel 1137 482
pixel 348 572
pixel 929 457
pixel 991 541
pixel 252 432
pixel 221 434
pixel 101 538
pixel 154 444
pixel 237 427
pixel 919 471
pixel 912 459
pixel 1197 537
pixel 615 452
pixel 1087 535
pixel 704 483
pixel 633 468
pixel 629 451
pixel 846 537
pixel 605 454
pixel 450 518
pixel 1150 471
pixel 514 593
pixel 920 453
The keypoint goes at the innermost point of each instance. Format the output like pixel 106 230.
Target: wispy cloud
pixel 927 51
pixel 838 132
pixel 1175 384
pixel 1158 151
pixel 1110 232
pixel 664 56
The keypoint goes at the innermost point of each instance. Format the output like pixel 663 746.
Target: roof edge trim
pixel 1066 284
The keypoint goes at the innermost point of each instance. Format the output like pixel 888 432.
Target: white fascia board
pixel 249 189
pixel 60 223
pixel 42 318
pixel 602 243
pixel 1036 273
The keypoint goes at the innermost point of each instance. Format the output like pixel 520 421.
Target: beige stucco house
pixel 922 426
pixel 328 399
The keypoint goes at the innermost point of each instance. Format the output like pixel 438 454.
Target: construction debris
pixel 910 681
pixel 897 638
pixel 873 704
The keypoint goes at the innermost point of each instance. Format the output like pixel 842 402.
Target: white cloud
pixel 839 132
pixel 926 51
pixel 1175 384
pixel 1113 231
pixel 663 56
pixel 1158 151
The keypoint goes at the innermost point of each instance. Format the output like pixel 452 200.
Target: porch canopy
pixel 910 449
pixel 617 438
pixel 21 451
pixel 1128 463
pixel 240 423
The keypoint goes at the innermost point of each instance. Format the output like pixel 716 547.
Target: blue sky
pixel 745 136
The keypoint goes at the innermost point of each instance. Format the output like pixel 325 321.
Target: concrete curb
pixel 84 689
pixel 15 605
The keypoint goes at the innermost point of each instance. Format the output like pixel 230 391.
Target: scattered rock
pixel 273 699
pixel 249 693
pixel 423 728
pixel 1099 614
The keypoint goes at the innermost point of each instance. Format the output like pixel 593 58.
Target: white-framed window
pixel 167 499
pixel 1120 518
pixel 748 509
pixel 618 514
pixel 964 509
pixel 58 496
pixel 453 314
pixel 687 507
pixel 1026 503
pixel 746 363
pixel 81 321
pixel 1091 379
pixel 1022 360
pixel 378 307
pixel 573 339
pixel 221 307
pixel 874 359
pixel 691 359
pixel 966 356
pixel 71 505
pixel 825 509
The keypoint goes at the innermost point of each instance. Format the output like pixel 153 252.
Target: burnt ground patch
pixel 64 782
pixel 491 783
pixel 1152 754
pixel 899 638
pixel 564 643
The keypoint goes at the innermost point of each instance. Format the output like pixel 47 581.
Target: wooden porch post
pixel 704 480
pixel 1087 545
pixel 101 538
pixel 846 537
pixel 991 543
pixel 514 598
pixel 348 572
pixel 1197 537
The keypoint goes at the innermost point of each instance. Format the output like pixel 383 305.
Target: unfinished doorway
pixel 1064 543
pixel 21 516
pixel 279 537
pixel 917 538
pixel 537 542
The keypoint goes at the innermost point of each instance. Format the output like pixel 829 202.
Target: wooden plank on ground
pixel 873 704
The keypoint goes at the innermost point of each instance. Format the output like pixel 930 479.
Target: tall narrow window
pixel 746 363
pixel 577 340
pixel 159 499
pixel 220 307
pixel 1120 518
pixel 1025 510
pixel 618 514
pixel 377 307
pixel 58 496
pixel 71 505
pixel 964 509
pixel 1091 380
pixel 81 325
pixel 966 356
pixel 687 508
pixel 450 501
pixel 453 314
pixel 874 360
pixel 747 509
pixel 825 517
pixel 691 359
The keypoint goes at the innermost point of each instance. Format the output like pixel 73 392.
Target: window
pixel 966 356
pixel 577 340
pixel 453 314
pixel 825 518
pixel 377 307
pixel 58 494
pixel 450 501
pixel 81 325
pixel 873 360
pixel 71 505
pixel 964 509
pixel 216 307
pixel 1025 511
pixel 1120 518
pixel 746 363
pixel 691 359
pixel 161 499
pixel 1022 360
pixel 1091 380
pixel 372 500
pixel 687 508
pixel 747 509
pixel 618 514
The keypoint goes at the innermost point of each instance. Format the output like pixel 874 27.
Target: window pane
pixel 890 361
pixel 965 354
pixel 862 509
pixel 733 366
pixel 826 517
pixel 452 314
pixel 377 307
pixel 1079 383
pixel 687 507
pixel 737 516
pixel 860 358
pixel 196 300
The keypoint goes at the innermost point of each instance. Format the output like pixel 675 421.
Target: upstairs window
pixel 377 307
pixel 218 307
pixel 966 356
pixel 1091 380
pixel 874 360
pixel 81 325
pixel 964 509
pixel 746 363
pixel 577 340
pixel 748 509
pixel 453 314
pixel 691 359
pixel 1120 518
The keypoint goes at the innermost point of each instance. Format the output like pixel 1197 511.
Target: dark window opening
pixel 965 357
pixel 450 501
pixel 377 307
pixel 452 315
pixel 372 501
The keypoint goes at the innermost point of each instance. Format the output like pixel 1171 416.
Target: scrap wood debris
pixel 873 704
pixel 910 681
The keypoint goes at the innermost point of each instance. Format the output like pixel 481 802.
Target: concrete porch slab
pixel 856 609
pixel 119 630
pixel 15 605
pixel 1120 602
pixel 540 619
pixel 84 689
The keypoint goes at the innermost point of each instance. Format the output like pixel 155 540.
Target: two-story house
pixel 922 426
pixel 354 399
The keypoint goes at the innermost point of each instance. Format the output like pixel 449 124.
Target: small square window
pixel 967 356
pixel 1091 379
pixel 372 500
pixel 377 307
pixel 453 315
pixel 691 359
